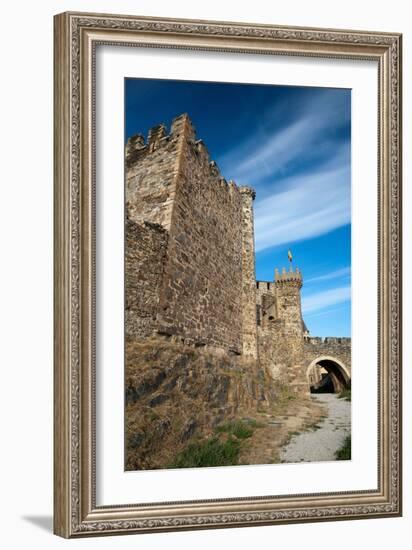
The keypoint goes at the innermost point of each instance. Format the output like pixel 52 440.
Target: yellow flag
pixel 289 255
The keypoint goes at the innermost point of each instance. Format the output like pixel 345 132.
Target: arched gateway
pixel 327 374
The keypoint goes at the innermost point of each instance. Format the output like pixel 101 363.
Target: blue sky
pixel 292 144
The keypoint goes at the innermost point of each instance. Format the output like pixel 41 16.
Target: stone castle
pixel 190 266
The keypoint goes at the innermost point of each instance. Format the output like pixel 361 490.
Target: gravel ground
pixel 322 443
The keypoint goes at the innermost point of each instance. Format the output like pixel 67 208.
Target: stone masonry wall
pixel 266 306
pixel 284 352
pixel 249 319
pixel 145 253
pixel 338 348
pixel 190 261
pixel 201 297
pixel 266 309
pixel 289 330
pixel 151 174
pixel 280 329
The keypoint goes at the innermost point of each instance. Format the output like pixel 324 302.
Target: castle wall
pixel 266 307
pixel 280 330
pixel 145 254
pixel 284 352
pixel 266 311
pixel 338 348
pixel 171 181
pixel 249 319
pixel 151 173
pixel 289 329
pixel 201 298
pixel 190 261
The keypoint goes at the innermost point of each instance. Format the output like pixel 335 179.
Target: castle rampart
pixel 172 181
pixel 280 328
pixel 333 347
pixel 151 175
pixel 145 255
pixel 190 263
pixel 248 274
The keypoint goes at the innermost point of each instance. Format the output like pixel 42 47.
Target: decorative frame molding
pixel 76 36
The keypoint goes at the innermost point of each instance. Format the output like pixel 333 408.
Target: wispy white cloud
pixel 270 150
pixel 293 203
pixel 305 206
pixel 344 272
pixel 325 298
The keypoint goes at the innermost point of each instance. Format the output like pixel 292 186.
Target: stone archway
pixel 327 374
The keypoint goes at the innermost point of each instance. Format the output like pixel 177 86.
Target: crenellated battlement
pixel 157 137
pixel 318 340
pixel 288 277
pixel 190 266
pixel 159 141
pixel 207 291
pixel 248 191
pixel 156 134
pixel 265 286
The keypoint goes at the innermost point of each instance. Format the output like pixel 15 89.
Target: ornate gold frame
pixel 75 38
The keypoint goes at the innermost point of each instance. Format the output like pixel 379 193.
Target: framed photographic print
pixel 227 274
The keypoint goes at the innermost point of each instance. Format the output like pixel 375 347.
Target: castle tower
pixel 287 288
pixel 248 274
pixel 153 170
pixel 186 219
pixel 289 341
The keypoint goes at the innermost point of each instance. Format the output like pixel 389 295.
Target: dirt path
pixel 322 443
pixel 276 427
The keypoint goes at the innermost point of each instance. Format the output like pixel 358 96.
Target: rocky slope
pixel 176 394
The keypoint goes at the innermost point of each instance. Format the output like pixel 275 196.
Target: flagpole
pixel 290 258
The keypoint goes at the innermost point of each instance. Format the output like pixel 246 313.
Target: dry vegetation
pixel 188 407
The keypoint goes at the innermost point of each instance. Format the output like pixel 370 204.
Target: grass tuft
pixel 344 453
pixel 211 452
pixel 345 394
pixel 220 450
pixel 239 428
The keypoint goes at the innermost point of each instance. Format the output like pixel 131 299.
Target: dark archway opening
pixel 327 376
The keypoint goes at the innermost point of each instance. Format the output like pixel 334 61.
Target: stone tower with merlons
pixel 281 328
pixel 190 259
